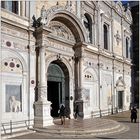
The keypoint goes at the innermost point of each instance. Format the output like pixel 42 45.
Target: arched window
pixel 105 37
pixel 88 25
pixel 10 6
pixel 127 47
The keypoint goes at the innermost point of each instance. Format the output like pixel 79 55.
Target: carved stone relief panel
pixel 86 97
pixel 13 98
pixel 127 80
pixel 38 110
pixel 60 30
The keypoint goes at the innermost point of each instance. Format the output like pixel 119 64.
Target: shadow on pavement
pixel 104 138
pixel 127 122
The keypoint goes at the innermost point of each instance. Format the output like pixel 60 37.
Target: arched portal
pixel 58 86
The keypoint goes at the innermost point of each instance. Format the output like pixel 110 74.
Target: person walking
pixel 62 113
pixel 67 112
pixel 76 111
pixel 133 114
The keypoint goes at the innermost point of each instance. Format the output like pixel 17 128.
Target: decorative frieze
pixel 58 46
pixel 60 30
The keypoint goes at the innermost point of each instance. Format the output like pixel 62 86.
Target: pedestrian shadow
pixel 127 122
pixel 104 138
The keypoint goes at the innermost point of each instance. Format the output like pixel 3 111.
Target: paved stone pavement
pixel 123 118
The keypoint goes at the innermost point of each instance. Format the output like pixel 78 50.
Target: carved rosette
pixel 42 93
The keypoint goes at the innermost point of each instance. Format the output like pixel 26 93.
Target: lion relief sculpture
pixel 15 105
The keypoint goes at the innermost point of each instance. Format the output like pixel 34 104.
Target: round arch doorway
pixel 57 86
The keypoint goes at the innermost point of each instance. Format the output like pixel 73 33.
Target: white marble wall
pixel 98 87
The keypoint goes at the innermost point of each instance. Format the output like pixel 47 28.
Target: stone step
pixel 83 128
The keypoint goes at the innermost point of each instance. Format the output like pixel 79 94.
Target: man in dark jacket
pixel 133 114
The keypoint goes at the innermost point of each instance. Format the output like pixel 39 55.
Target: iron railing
pixel 11 125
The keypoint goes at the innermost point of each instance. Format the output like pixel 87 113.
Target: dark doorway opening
pixel 120 99
pixel 54 96
pixel 57 86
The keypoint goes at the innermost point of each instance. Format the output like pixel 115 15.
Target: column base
pixel 80 107
pixel 42 114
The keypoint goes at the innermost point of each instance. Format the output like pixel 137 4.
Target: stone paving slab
pixel 124 129
pixel 96 126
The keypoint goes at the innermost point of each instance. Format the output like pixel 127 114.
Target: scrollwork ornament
pixel 42 93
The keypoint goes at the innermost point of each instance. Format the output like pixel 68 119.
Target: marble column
pixel 81 76
pixel 42 106
pixel 79 50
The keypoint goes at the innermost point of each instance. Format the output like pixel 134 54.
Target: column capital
pixel 79 49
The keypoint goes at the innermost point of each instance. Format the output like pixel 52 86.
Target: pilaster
pixel 79 55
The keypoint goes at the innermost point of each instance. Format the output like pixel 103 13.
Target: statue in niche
pixel 14 104
pixel 118 38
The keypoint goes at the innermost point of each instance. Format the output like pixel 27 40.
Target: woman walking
pixel 62 113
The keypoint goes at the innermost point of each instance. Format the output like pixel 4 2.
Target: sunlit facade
pixel 70 52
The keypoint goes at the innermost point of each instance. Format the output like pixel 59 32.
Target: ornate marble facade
pixel 70 35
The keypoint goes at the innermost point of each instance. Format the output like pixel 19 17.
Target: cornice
pixel 107 3
pixel 13 23
pixel 61 40
pixel 22 23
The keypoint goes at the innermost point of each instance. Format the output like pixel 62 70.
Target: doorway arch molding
pixel 52 58
pixel 59 13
